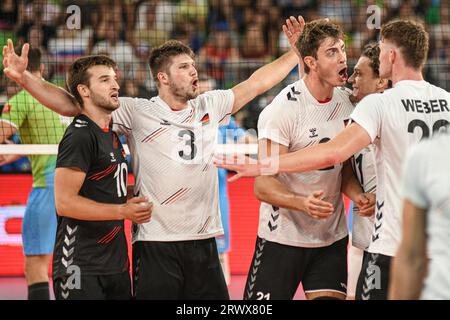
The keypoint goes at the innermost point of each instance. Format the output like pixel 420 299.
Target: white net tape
pixel 27 149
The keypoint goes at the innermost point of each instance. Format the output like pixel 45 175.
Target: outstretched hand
pixel 245 166
pixel 293 29
pixel 15 66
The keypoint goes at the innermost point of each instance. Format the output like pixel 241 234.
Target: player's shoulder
pixel 343 92
pixel 287 98
pixel 134 102
pixel 21 99
pixel 81 127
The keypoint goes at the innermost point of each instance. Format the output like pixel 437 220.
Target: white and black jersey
pixel 363 163
pixel 395 121
pixel 297 120
pixel 96 247
pixel 172 158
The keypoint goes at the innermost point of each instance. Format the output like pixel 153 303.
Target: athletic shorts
pixel 39 222
pixel 90 287
pixel 373 280
pixel 277 270
pixel 178 270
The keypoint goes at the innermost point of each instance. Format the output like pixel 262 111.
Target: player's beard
pixel 103 102
pixel 183 93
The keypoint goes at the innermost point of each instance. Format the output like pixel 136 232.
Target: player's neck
pixel 99 115
pixel 173 103
pixel 318 88
pixel 405 73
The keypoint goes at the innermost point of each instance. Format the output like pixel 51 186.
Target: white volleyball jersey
pixel 426 183
pixel 395 121
pixel 363 163
pixel 297 120
pixel 172 154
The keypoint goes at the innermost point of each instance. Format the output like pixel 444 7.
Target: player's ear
pixel 310 62
pixel 163 77
pixel 83 90
pixel 392 55
pixel 382 84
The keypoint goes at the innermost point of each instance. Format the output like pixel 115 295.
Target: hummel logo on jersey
pixel 313 133
pixel 80 123
pixel 112 157
pixel 164 123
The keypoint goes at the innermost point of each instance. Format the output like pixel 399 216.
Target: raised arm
pixel 263 79
pixel 51 96
pixel 349 141
pixel 69 203
pixel 270 190
pixel 293 29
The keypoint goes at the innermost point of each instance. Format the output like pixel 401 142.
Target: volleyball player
pixel 91 257
pixel 394 121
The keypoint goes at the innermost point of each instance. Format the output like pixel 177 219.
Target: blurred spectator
pixel 217 53
pixel 120 51
pixel 41 13
pixel 9 11
pixel 147 32
pixel 164 12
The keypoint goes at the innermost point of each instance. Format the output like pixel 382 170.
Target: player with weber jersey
pixel 394 121
pixel 302 234
pixel 36 125
pixel 172 139
pixel 420 267
pixel 365 80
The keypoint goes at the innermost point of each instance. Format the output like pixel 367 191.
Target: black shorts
pixel 277 270
pixel 102 287
pixel 373 281
pixel 178 270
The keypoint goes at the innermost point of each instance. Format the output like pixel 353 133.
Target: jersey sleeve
pixel 123 116
pixel 221 102
pixel 15 109
pixel 276 121
pixel 413 184
pixel 76 149
pixel 368 114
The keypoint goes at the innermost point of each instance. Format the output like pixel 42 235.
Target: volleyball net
pixel 231 39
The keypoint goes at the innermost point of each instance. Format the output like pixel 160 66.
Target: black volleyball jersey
pixel 96 247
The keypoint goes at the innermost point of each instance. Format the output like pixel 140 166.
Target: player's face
pixel 385 63
pixel 103 87
pixel 183 78
pixel 364 80
pixel 332 62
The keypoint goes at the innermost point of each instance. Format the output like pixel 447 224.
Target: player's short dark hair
pixel 78 72
pixel 412 39
pixel 161 56
pixel 372 52
pixel 34 58
pixel 314 33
